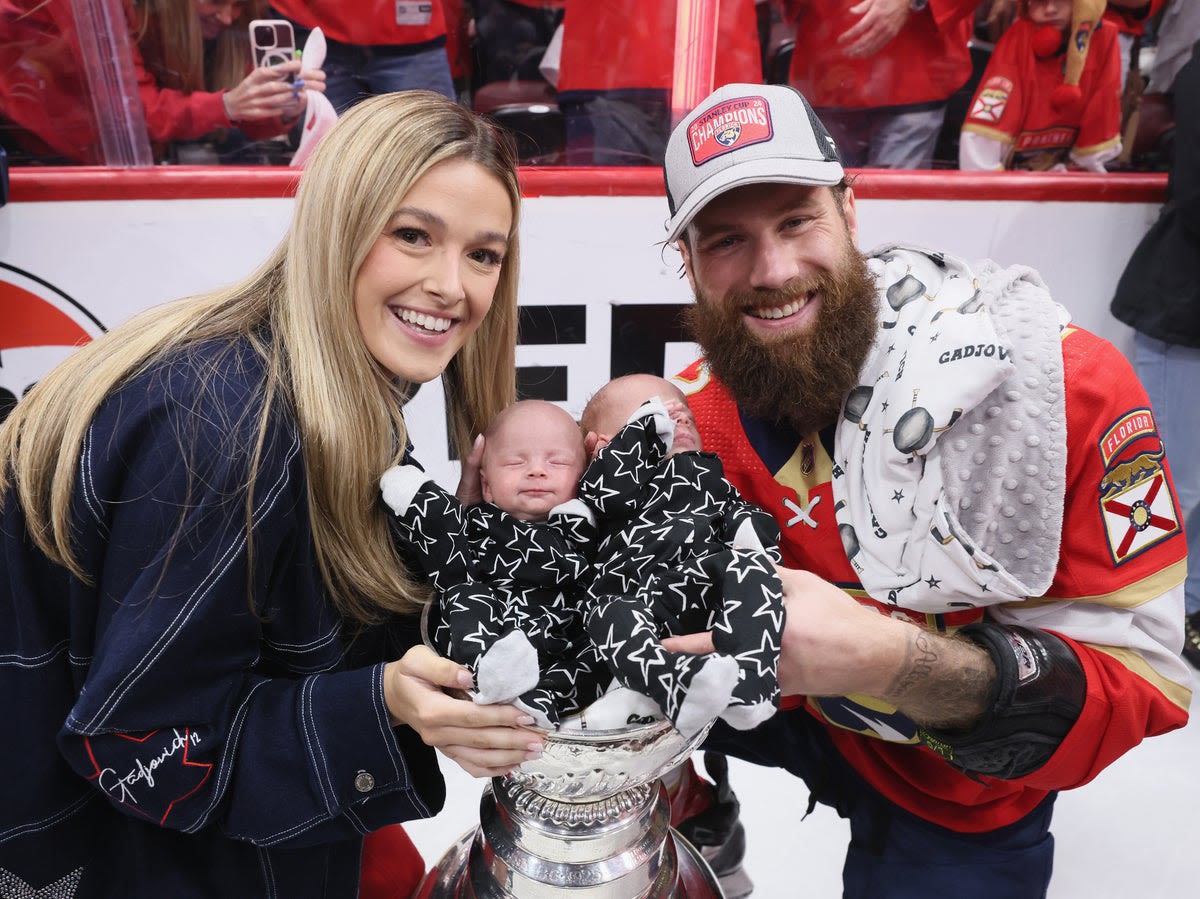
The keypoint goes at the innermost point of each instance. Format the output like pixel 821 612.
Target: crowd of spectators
pixel 586 83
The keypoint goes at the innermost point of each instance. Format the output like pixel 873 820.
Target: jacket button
pixel 364 782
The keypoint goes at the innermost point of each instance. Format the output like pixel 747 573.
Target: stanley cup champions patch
pixel 728 126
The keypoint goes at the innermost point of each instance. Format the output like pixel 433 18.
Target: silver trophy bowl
pixel 590 765
pixel 590 818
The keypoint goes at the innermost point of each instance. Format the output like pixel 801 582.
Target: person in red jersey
pixel 984 553
pixel 1024 115
pixel 880 72
pixel 616 72
pixel 1130 18
pixel 376 46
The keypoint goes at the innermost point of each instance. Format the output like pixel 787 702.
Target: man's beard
pixel 798 378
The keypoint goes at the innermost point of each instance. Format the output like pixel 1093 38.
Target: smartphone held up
pixel 272 41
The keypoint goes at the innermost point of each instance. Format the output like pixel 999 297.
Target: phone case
pixel 272 41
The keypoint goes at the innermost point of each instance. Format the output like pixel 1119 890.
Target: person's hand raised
pixel 266 93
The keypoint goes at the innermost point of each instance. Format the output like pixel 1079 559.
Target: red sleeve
pixel 997 110
pixel 392 867
pixel 175 115
pixel 1100 123
pixel 946 12
pixel 1117 595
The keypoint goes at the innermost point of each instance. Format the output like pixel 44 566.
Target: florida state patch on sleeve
pixel 1136 501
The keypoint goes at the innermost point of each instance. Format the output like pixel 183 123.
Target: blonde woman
pixel 208 656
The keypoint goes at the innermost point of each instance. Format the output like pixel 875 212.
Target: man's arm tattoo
pixel 943 683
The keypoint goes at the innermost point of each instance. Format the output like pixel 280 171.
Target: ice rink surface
pixel 1133 831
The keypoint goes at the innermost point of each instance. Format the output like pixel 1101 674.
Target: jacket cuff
pixel 355 754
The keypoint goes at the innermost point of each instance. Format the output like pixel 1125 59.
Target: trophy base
pixel 448 879
pixel 590 819
pixel 527 847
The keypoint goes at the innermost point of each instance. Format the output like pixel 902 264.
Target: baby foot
pixel 708 694
pixel 400 484
pixel 508 669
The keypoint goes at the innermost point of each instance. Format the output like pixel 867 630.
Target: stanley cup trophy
pixel 590 818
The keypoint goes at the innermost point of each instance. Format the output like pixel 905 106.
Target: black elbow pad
pixel 1038 695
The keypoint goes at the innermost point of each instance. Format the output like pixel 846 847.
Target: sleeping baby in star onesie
pixel 509 573
pixel 680 552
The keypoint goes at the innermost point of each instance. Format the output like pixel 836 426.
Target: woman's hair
pixel 168 36
pixel 347 408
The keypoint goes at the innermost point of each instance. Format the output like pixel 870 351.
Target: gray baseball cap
pixel 745 134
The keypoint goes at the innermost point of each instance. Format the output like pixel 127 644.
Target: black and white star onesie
pixel 508 600
pixel 682 552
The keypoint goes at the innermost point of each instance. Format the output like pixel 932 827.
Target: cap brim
pixel 773 170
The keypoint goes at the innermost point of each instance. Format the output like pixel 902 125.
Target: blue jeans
pixel 885 138
pixel 893 854
pixel 354 72
pixel 1170 373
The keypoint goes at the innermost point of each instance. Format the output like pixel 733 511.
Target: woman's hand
pixel 267 94
pixel 470 488
pixel 311 80
pixel 484 740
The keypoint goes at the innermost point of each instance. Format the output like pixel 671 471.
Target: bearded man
pixel 939 445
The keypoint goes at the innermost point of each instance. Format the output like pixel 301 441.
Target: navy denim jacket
pixel 164 736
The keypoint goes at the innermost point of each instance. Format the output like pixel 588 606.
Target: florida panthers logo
pixel 1082 36
pixel 729 136
pixel 989 105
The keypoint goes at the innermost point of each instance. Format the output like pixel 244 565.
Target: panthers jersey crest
pixel 1135 500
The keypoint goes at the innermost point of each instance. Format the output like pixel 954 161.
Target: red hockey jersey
pixel 370 22
pixel 1120 568
pixel 1012 104
pixel 926 62
pixel 629 44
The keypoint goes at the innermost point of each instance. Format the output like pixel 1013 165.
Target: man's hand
pixel 881 21
pixel 835 646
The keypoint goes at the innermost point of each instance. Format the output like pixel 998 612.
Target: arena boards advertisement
pixel 599 291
